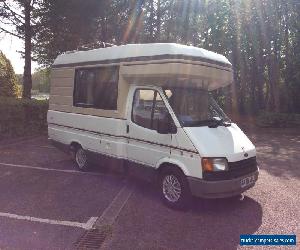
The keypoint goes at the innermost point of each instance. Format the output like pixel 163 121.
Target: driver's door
pixel 145 145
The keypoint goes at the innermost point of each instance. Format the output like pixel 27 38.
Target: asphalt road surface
pixel 45 203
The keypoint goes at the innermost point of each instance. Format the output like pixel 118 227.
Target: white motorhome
pixel 148 108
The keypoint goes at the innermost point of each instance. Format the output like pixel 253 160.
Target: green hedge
pixel 20 117
pixel 278 120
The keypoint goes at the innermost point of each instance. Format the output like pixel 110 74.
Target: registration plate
pixel 247 181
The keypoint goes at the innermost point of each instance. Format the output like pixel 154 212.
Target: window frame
pixel 156 93
pixel 94 69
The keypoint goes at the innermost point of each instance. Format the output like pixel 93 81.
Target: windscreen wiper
pixel 218 122
pixel 211 123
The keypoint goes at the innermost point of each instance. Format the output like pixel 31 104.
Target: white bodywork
pixel 229 142
pixel 108 135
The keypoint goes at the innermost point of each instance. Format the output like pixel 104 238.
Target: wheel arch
pixel 167 162
pixel 74 144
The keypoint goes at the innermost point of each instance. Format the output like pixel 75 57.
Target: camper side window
pixel 148 108
pixel 96 88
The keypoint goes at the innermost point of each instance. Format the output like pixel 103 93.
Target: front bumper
pixel 219 189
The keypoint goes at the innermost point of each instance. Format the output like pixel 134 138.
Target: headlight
pixel 214 164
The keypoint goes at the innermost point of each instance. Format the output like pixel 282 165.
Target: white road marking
pixel 50 147
pixel 91 222
pixel 88 225
pixel 48 169
pixel 110 214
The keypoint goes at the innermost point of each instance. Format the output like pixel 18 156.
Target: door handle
pixel 127 128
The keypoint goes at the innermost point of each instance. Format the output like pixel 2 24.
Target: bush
pixel 20 117
pixel 278 120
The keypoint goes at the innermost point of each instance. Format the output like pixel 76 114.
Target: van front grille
pixel 242 164
pixel 235 170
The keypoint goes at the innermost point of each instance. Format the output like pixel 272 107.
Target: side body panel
pixel 154 149
pixel 96 134
pixel 145 149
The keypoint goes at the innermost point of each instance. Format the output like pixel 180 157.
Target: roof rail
pixel 89 46
pixel 96 45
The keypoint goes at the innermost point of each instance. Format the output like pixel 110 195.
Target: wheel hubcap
pixel 80 158
pixel 171 188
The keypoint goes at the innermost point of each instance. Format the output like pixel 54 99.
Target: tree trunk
pixel 27 79
pixel 236 65
pixel 158 21
pixel 272 93
pixel 186 22
pixel 235 84
pixel 288 102
pixel 274 75
pixel 151 21
pixel 260 79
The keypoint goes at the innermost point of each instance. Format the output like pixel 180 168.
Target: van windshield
pixel 196 107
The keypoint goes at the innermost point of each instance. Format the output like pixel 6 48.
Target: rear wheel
pixel 174 189
pixel 80 158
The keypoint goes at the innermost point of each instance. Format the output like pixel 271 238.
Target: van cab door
pixel 145 145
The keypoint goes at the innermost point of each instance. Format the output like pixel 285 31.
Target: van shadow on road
pixel 210 224
pixel 224 220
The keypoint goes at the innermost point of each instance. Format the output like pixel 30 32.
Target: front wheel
pixel 174 189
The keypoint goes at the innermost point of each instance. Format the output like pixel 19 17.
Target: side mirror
pixel 165 125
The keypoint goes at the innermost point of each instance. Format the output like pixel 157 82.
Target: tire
pixel 80 157
pixel 174 189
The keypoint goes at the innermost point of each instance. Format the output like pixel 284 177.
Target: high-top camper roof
pixel 157 64
pixel 140 52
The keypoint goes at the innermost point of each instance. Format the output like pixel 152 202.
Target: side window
pixel 106 89
pixel 96 88
pixel 142 107
pixel 85 84
pixel 148 108
pixel 160 110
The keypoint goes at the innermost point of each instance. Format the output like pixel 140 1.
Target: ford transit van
pixel 148 108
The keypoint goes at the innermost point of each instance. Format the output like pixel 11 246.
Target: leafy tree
pixel 260 37
pixel 8 79
pixel 16 17
pixel 41 80
pixel 64 25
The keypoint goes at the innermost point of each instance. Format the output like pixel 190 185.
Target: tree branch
pixel 11 33
pixel 15 14
pixel 11 21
